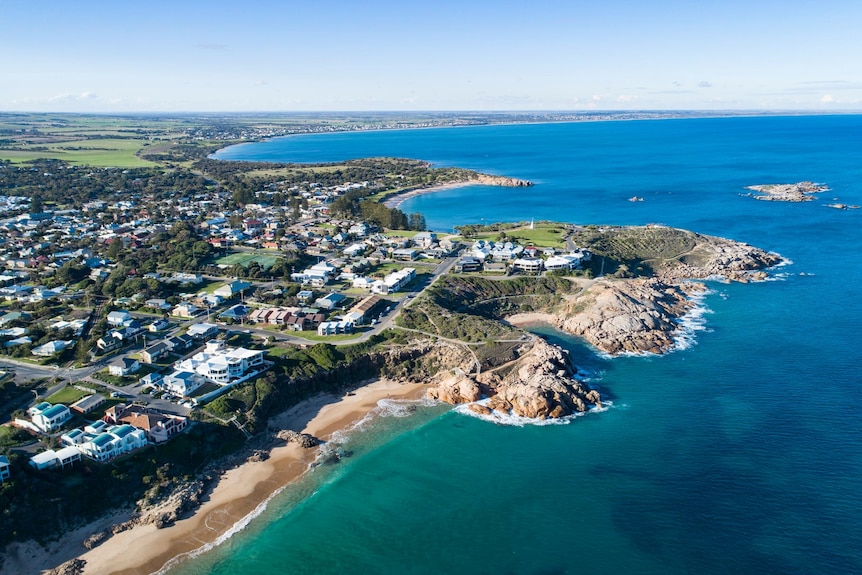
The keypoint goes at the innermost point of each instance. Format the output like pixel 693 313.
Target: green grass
pixel 119 153
pixel 68 395
pixel 543 235
pixel 266 261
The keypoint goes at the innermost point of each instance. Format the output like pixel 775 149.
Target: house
pixel 109 342
pixel 467 264
pixel 51 417
pixel 182 383
pixel 5 469
pixel 330 301
pixel 179 343
pixel 187 310
pixel 123 366
pixel 203 330
pixel 406 254
pixel 159 325
pixel 528 265
pixel 157 304
pixel 394 282
pixel 305 295
pixel 363 310
pixel 235 313
pixel 119 318
pixel 220 364
pixel 334 327
pixel 425 239
pixel 52 347
pixel 73 437
pixel 232 289
pixel 50 458
pixel 362 282
pixel 114 441
pixel 158 427
pixel 151 379
pixel 355 250
pixel 156 351
pixel 88 403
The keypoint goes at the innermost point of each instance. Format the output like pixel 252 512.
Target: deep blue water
pixel 739 454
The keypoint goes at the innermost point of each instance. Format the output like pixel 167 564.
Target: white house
pixel 50 417
pixel 116 440
pixel 394 282
pixel 220 364
pixel 182 383
pixel 119 318
pixel 52 347
pixel 123 366
pixel 185 310
pixel 50 458
pixel 528 265
pixel 202 330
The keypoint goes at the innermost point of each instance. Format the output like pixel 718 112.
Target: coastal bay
pixel 707 459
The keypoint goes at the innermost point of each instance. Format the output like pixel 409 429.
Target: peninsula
pixel 138 267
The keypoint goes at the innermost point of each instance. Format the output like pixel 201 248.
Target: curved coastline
pixel 238 496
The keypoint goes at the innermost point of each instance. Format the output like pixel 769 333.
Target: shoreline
pixel 237 497
pixel 395 200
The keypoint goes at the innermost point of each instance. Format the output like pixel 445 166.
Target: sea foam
pixel 518 421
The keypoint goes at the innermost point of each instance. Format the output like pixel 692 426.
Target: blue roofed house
pixel 51 417
pixel 114 441
pixel 235 313
pixel 232 289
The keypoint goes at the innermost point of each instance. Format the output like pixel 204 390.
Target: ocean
pixel 740 452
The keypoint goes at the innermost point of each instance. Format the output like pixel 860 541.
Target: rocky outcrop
pixel 504 181
pixel 304 440
pixel 719 257
pixel 540 384
pixel 73 567
pixel 456 389
pixel 638 316
pixel 798 192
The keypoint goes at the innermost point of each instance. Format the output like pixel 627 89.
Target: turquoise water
pixel 740 454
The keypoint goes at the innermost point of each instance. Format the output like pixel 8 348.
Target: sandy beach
pixel 397 199
pixel 145 549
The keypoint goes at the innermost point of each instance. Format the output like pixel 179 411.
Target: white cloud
pixel 827 99
pixel 704 84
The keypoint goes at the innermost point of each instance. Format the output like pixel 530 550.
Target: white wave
pixel 692 322
pixel 518 421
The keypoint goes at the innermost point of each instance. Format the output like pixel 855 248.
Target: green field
pixel 266 261
pixel 67 395
pixel 542 235
pixel 108 152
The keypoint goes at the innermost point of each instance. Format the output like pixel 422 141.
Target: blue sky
pixel 256 55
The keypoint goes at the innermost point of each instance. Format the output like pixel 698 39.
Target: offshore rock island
pixel 798 192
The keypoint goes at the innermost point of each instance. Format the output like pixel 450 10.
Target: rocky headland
pixel 539 384
pixel 798 192
pixel 488 180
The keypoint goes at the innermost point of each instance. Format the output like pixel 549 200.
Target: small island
pixel 798 192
